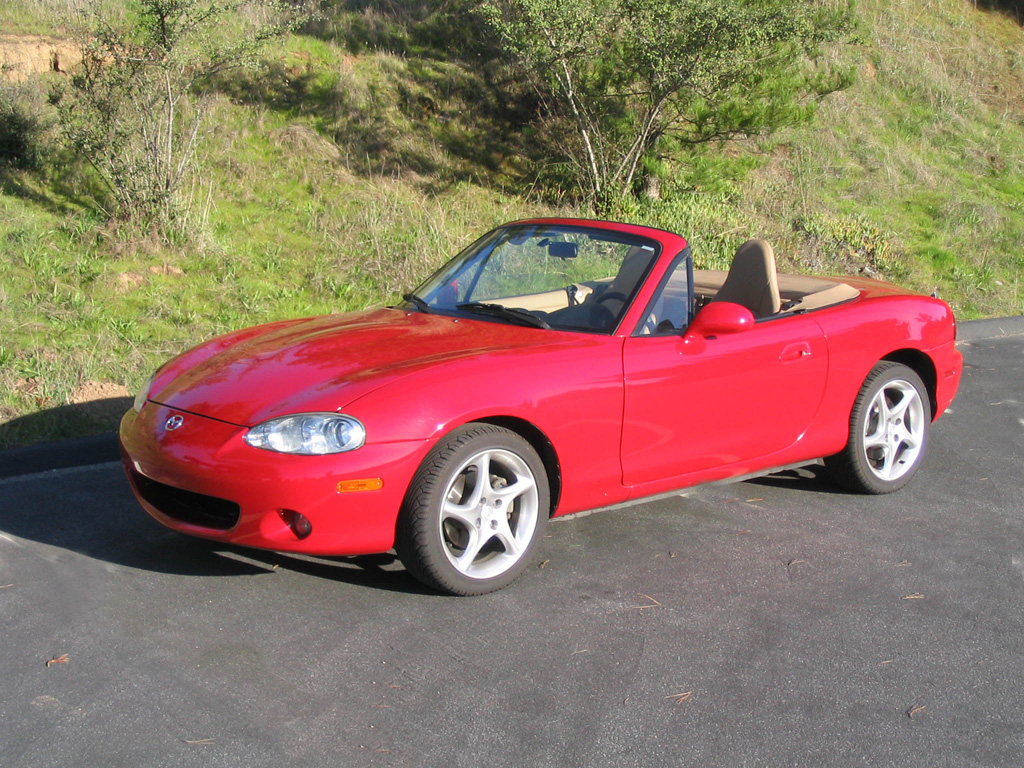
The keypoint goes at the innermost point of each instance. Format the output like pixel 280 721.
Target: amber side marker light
pixel 366 484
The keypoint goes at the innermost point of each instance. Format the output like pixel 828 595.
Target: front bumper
pixel 203 480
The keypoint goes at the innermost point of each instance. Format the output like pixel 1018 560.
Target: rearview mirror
pixel 720 318
pixel 562 250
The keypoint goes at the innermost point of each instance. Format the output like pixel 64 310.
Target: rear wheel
pixel 888 432
pixel 474 511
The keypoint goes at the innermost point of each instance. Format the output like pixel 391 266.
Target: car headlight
pixel 143 394
pixel 309 434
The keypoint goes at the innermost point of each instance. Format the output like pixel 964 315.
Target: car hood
pixel 324 363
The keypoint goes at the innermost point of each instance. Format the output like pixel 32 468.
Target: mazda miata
pixel 553 366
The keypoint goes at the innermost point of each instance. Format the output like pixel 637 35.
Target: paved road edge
pixel 995 328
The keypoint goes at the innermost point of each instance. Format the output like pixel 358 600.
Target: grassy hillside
pixel 923 159
pixel 364 155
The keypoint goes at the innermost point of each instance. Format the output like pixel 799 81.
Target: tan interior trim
pixel 808 292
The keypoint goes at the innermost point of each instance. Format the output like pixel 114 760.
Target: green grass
pixel 34 17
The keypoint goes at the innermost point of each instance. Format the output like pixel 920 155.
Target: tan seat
pixel 634 265
pixel 752 280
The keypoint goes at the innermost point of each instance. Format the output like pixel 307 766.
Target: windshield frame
pixel 471 263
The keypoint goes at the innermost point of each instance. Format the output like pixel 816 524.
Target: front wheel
pixel 888 432
pixel 474 511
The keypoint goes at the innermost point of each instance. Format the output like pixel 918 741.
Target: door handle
pixel 797 351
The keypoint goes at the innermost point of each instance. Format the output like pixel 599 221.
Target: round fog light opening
pixel 298 522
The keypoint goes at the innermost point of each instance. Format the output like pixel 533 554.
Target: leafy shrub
pixel 135 107
pixel 23 126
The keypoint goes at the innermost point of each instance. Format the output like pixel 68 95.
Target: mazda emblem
pixel 173 423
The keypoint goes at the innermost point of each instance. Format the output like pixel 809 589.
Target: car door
pixel 692 403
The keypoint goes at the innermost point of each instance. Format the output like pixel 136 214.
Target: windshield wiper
pixel 508 313
pixel 419 303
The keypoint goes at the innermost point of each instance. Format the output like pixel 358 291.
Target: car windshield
pixel 557 276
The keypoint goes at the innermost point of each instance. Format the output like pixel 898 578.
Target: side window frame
pixel 685 254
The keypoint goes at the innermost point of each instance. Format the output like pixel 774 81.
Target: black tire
pixel 466 538
pixel 885 447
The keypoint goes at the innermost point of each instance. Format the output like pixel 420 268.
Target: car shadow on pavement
pixel 91 511
pixel 812 478
pixel 383 571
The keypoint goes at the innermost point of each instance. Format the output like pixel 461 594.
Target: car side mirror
pixel 720 318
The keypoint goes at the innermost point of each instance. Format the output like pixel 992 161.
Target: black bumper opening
pixel 187 506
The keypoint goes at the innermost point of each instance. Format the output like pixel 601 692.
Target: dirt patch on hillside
pixel 22 56
pixel 101 401
pixel 125 282
pixel 88 391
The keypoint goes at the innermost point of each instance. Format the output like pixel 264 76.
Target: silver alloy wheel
pixel 489 513
pixel 894 430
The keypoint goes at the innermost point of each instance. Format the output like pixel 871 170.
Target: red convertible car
pixel 553 366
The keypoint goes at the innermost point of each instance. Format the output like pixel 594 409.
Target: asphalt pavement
pixel 776 622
